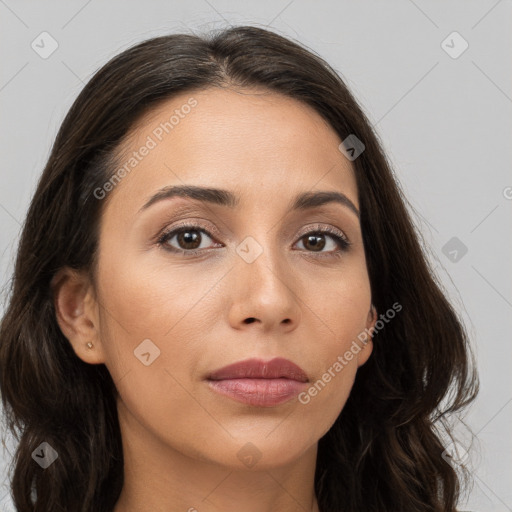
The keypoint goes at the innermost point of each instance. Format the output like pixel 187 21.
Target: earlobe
pixel 365 354
pixel 76 313
pixel 372 316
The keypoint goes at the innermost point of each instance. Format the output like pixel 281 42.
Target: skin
pixel 180 439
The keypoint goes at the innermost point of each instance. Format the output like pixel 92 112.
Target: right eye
pixel 189 239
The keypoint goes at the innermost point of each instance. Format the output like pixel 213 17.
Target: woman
pixel 220 302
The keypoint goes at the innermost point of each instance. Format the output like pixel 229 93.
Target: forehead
pixel 246 140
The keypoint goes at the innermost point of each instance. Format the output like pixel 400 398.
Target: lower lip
pixel 258 392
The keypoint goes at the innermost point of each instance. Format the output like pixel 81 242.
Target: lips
pixel 257 369
pixel 259 383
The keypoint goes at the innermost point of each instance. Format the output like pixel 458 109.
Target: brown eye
pixel 334 241
pixel 314 242
pixel 190 239
pixel 185 239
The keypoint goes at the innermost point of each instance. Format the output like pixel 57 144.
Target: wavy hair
pixel 384 453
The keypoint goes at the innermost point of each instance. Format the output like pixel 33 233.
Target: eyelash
pixel 337 235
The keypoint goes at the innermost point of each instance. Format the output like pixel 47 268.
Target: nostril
pixel 250 320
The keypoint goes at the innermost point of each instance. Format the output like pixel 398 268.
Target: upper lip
pixel 259 369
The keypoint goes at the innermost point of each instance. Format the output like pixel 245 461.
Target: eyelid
pixel 324 228
pixel 189 223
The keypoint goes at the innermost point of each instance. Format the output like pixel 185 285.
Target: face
pixel 188 283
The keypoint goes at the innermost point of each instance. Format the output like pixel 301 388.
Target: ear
pixel 77 313
pixel 367 349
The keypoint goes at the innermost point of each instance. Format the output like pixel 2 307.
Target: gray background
pixel 445 123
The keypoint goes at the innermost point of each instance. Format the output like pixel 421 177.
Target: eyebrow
pixel 226 198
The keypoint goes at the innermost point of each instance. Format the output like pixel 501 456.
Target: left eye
pixel 316 241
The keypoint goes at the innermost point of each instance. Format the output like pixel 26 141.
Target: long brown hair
pixel 384 452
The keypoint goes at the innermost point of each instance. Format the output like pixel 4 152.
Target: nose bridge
pixel 263 288
pixel 262 260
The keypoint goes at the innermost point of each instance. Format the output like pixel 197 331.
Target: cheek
pixel 336 355
pixel 157 310
pixel 341 303
pixel 155 299
pixel 154 326
pixel 341 307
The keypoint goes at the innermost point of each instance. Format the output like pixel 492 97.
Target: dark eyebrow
pixel 226 198
pixel 210 195
pixel 313 199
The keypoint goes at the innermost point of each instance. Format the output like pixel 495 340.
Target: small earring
pixel 89 344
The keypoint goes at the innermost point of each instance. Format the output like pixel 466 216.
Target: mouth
pixel 259 383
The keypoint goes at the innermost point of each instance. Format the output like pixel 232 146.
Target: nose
pixel 264 295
